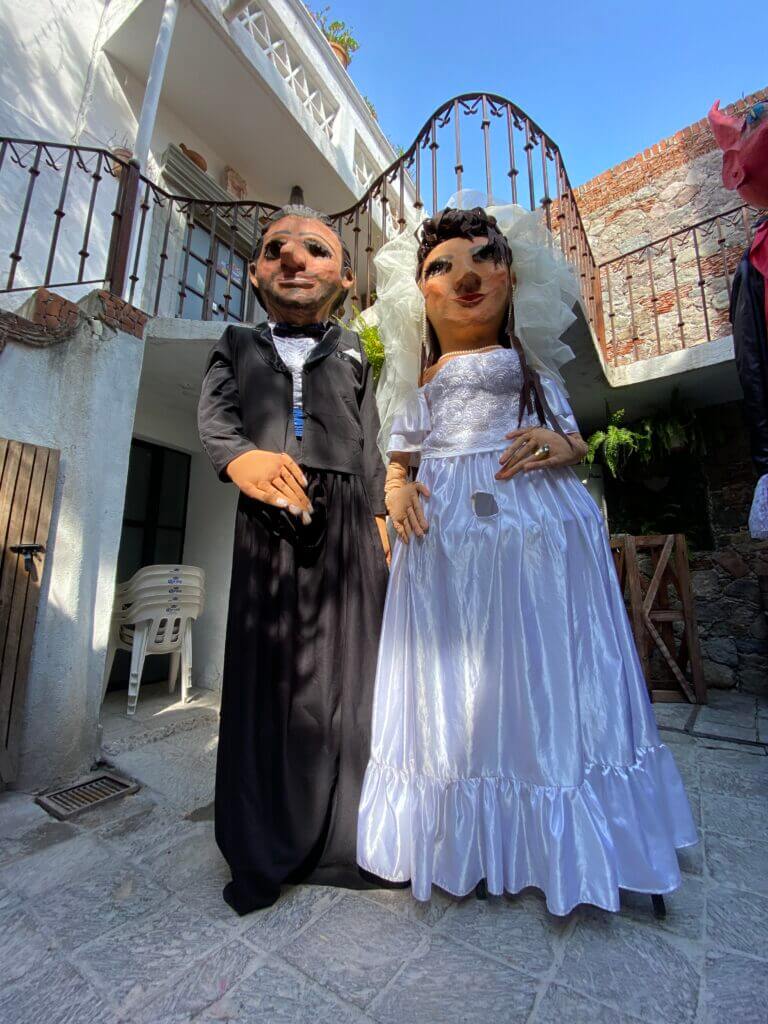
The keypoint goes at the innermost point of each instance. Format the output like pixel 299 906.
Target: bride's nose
pixel 468 282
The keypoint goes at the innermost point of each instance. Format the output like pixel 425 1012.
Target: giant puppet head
pixel 744 142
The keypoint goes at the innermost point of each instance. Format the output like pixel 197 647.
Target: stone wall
pixel 733 626
pixel 654 302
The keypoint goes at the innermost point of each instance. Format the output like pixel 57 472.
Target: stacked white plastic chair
pixel 153 614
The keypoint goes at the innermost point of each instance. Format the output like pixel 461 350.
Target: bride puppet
pixel 513 739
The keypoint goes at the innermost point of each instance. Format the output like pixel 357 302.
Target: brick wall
pixel 654 302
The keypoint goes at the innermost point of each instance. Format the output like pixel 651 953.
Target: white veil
pixel 545 293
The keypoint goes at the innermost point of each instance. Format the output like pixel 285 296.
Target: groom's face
pixel 299 270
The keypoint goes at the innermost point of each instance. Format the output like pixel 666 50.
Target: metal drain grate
pixel 86 793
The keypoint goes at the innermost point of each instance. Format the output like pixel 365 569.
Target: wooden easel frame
pixel 652 618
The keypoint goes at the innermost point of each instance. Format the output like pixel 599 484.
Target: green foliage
pixel 336 31
pixel 617 443
pixel 371 108
pixel 370 339
pixel 653 438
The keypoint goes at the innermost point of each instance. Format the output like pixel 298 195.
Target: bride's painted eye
pixel 437 267
pixel 486 253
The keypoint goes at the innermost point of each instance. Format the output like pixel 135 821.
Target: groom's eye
pixel 316 249
pixel 272 249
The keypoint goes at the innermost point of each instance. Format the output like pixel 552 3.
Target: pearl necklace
pixel 469 352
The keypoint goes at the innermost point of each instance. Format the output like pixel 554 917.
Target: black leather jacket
pixel 751 349
pixel 246 402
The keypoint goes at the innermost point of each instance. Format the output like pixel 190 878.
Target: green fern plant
pixel 617 443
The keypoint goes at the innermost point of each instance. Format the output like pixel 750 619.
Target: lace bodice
pixel 469 406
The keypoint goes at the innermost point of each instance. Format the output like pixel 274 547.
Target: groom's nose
pixel 292 256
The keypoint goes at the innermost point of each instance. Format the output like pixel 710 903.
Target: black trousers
pixel 302 640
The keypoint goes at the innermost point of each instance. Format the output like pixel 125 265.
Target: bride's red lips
pixel 470 300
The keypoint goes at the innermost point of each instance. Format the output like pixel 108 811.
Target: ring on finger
pixel 542 452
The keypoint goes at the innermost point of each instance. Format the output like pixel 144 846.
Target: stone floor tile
pixel 400 901
pixel 40 837
pixel 18 813
pixel 355 948
pixel 23 946
pixel 186 856
pixel 55 866
pixel 166 769
pixel 271 929
pixel 689 773
pixel 736 862
pixel 145 835
pixel 208 981
pixel 685 909
pixel 738 920
pixel 275 994
pixel 691 858
pixel 738 716
pixel 636 968
pixel 448 982
pixel 675 716
pixel 517 929
pixel 735 989
pixel 135 962
pixel 746 780
pixel 710 726
pixel 57 996
pixel 107 897
pixel 730 700
pixel 562 1006
pixel 733 816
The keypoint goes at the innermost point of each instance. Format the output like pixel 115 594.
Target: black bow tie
pixel 316 331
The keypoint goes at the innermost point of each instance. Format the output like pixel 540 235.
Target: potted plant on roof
pixel 339 36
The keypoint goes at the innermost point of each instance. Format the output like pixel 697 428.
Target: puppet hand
pixel 381 525
pixel 404 507
pixel 274 478
pixel 522 455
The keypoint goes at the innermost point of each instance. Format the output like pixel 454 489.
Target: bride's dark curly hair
pixel 476 223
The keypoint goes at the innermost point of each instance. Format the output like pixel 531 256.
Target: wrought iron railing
pixel 72 217
pixel 514 159
pixel 76 216
pixel 674 292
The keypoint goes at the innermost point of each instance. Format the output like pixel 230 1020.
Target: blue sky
pixel 605 79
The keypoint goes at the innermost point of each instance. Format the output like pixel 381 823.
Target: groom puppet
pixel 287 414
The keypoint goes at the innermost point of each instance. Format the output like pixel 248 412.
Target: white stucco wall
pixel 210 524
pixel 78 396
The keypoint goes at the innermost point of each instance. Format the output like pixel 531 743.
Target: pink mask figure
pixel 744 142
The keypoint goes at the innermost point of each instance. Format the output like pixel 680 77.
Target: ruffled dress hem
pixel 618 829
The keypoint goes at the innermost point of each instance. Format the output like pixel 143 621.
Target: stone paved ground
pixel 117 916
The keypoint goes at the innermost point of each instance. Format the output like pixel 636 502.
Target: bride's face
pixel 463 287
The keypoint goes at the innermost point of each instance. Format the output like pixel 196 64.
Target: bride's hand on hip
pixel 539 448
pixel 404 507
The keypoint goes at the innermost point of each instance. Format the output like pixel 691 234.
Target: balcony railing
pixel 72 217
pixel 674 292
pixel 76 216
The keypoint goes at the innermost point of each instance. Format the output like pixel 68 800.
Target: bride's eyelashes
pixel 442 265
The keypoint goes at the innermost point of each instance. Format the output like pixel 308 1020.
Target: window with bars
pixel 226 296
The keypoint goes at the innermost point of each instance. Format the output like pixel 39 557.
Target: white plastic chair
pixel 153 614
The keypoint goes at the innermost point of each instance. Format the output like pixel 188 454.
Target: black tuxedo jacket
pixel 247 402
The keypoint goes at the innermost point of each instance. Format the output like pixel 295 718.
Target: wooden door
pixel 27 484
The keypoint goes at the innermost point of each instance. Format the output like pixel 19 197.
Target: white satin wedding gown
pixel 513 737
